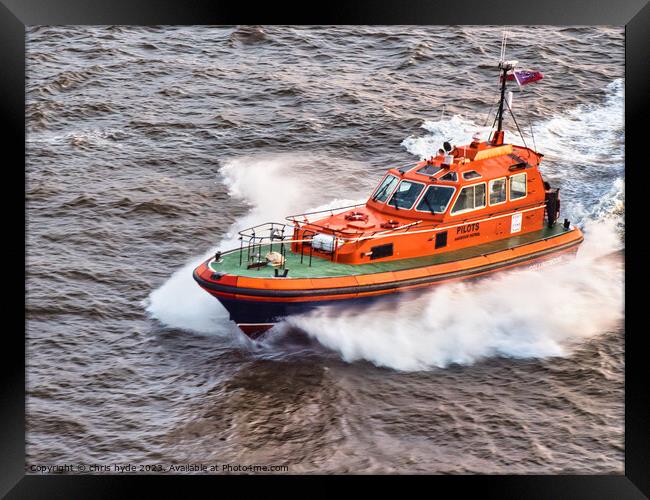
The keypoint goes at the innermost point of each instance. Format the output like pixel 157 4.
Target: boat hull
pixel 256 307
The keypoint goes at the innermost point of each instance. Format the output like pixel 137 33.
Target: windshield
pixel 406 194
pixel 385 188
pixel 436 199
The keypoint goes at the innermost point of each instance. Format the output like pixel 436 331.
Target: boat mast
pixel 504 67
pixel 503 95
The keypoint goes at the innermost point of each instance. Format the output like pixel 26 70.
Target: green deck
pixel 322 268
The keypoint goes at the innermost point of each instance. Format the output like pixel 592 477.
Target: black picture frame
pixel 15 15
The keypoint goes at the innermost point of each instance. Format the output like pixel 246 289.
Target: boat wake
pixel 530 313
pixel 521 314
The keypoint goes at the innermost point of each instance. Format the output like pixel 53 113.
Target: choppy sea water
pixel 149 147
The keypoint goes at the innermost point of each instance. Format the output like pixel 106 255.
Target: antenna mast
pixel 504 67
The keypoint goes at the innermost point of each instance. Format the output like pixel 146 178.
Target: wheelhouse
pixel 472 183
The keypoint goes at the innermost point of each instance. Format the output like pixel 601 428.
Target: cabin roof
pixel 491 162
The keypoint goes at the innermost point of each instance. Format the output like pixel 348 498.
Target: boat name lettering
pixel 468 228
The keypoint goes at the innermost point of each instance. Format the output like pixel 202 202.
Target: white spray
pixel 530 313
pixel 274 186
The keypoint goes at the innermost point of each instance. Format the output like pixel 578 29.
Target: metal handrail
pixel 271 224
pixel 255 237
pixel 292 218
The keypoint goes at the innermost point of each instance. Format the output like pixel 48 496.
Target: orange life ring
pixel 390 224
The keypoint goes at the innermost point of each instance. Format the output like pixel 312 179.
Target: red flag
pixel 524 77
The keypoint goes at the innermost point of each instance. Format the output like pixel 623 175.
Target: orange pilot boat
pixel 471 210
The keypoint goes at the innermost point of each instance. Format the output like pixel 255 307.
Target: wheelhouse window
pixel 518 186
pixel 470 198
pixel 406 194
pixel 385 189
pixel 472 174
pixel 450 176
pixel 436 199
pixel 498 191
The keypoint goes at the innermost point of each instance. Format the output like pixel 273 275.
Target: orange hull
pixel 256 304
